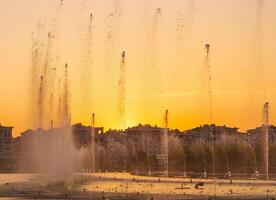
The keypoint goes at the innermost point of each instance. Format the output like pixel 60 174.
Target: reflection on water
pixel 115 184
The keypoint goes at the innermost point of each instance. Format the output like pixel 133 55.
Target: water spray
pixel 210 97
pixel 207 47
pixel 51 58
pixel 122 89
pixel 51 114
pixel 166 143
pixel 185 19
pixel 266 140
pixel 87 69
pixel 92 144
pixel 111 43
pixel 41 103
pixel 36 69
pixel 53 149
pixel 151 84
pixel 258 44
pixel 210 92
pixel 52 91
pixel 166 119
pixel 266 136
pixel 66 97
pixel 152 71
pixel 48 55
pixel 258 93
pixel 213 162
pixel 113 25
pixel 59 109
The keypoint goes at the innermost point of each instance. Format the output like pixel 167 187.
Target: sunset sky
pixel 165 60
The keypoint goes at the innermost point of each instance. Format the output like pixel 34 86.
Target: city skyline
pixel 241 59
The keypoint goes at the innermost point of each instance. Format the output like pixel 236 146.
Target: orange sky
pixel 164 60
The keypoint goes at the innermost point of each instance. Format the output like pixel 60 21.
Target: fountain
pixel 266 138
pixel 163 157
pixel 87 70
pixel 41 102
pixel 65 117
pixel 151 54
pixel 122 91
pixel 257 42
pixel 185 24
pixel 165 143
pixel 53 149
pixel 210 99
pixel 210 92
pixel 92 145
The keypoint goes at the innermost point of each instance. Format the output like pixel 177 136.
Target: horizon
pixel 143 125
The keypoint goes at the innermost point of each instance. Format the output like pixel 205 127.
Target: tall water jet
pixel 206 96
pixel 53 48
pixel 47 78
pixel 53 75
pixel 257 80
pixel 48 54
pixel 210 102
pixel 51 150
pixel 180 28
pixel 51 110
pixel 83 7
pixel 87 70
pixel 41 103
pixel 258 39
pixel 152 83
pixel 59 105
pixel 122 91
pixel 152 71
pixel 37 39
pixel 180 24
pixel 164 151
pixel 50 62
pixel 53 93
pixel 266 138
pixel 153 39
pixel 112 33
pixel 92 144
pixel 111 43
pixel 210 92
pixel 185 18
pixel 37 58
pixel 65 99
pixel 213 140
pixel 55 31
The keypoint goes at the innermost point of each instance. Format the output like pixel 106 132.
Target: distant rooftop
pixel 141 126
pixel 213 126
pixel 5 127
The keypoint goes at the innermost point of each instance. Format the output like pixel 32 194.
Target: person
pixel 256 174
pixel 184 174
pixel 204 174
pixel 228 174
pixel 199 184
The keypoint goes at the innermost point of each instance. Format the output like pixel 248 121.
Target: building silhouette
pixel 6 141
